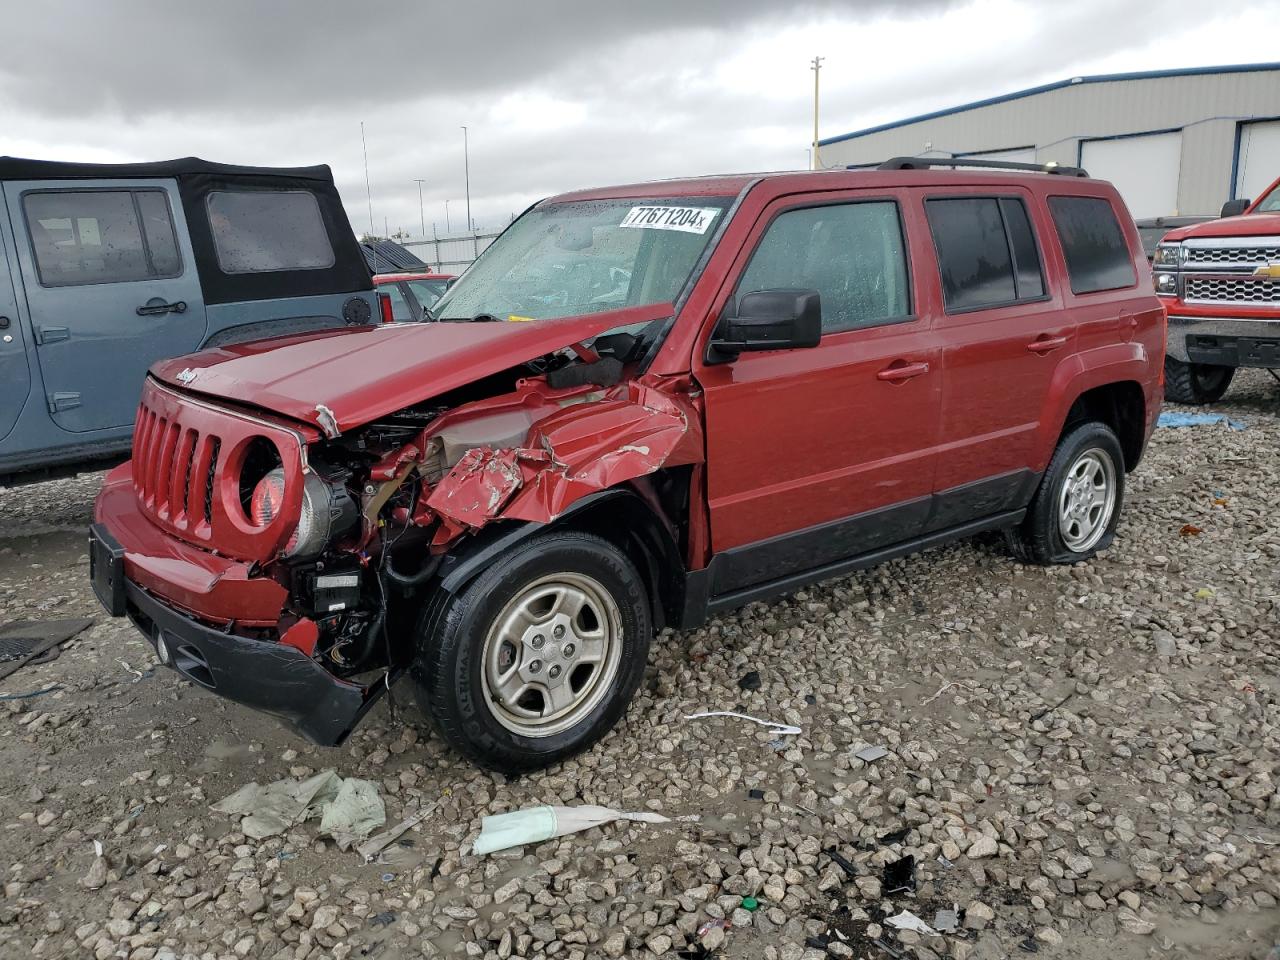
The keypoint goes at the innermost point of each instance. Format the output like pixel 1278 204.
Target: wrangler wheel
pixel 538 656
pixel 1076 509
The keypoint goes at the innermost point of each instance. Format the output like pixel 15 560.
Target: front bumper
pixel 261 673
pixel 1226 341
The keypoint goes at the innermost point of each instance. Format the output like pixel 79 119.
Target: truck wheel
pixel 1195 382
pixel 537 658
pixel 1077 507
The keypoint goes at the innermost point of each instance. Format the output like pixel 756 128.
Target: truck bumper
pixel 1225 341
pixel 250 667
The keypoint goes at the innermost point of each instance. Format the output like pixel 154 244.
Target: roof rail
pixel 924 163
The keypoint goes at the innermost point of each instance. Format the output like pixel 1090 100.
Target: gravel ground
pixel 1082 760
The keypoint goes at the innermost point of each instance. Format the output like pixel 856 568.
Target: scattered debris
pixel 1205 593
pixel 871 754
pixel 941 690
pixel 947 864
pixel 841 862
pixel 1170 419
pixel 946 921
pixel 900 875
pixel 31 693
pixel 894 836
pixel 384 919
pixel 907 920
pixel 750 904
pixel 1190 530
pixel 780 729
pixel 388 877
pixel 1165 644
pixel 750 681
pixel 349 810
pixel 810 699
pixel 755 794
pixel 1029 946
pixel 24 642
pixel 522 827
pixel 370 849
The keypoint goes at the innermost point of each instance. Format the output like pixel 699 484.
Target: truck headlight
pixel 1167 284
pixel 1168 255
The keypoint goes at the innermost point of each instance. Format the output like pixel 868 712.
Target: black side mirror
pixel 1233 208
pixel 769 320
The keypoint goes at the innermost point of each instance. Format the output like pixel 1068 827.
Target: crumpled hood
pixel 1247 225
pixel 361 373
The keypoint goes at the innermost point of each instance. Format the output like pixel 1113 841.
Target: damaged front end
pixel 287 568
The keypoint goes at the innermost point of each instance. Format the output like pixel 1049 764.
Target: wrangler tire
pixel 1195 383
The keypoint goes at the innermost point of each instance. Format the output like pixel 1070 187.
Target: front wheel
pixel 1195 383
pixel 539 656
pixel 1076 509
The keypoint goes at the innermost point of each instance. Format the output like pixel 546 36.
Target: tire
pixel 1195 383
pixel 1058 527
pixel 591 660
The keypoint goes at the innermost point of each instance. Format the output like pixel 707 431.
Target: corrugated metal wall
pixel 1206 107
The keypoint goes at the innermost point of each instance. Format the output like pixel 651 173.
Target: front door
pixel 815 455
pixel 15 375
pixel 111 286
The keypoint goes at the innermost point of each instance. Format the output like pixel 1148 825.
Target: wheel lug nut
pixel 568 649
pixel 553 672
pixel 558 632
pixel 538 641
pixel 535 666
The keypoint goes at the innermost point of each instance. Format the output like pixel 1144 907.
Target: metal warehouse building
pixel 1173 141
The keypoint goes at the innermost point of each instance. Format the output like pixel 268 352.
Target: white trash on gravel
pixel 521 827
pixel 349 809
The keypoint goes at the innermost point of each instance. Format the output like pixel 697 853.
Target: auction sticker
pixel 684 219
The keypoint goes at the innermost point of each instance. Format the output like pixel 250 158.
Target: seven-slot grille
pixel 1219 289
pixel 174 467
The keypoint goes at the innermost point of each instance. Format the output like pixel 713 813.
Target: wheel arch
pixel 1106 384
pixel 1121 405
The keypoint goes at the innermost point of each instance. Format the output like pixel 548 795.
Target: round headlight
pixel 1166 283
pixel 327 511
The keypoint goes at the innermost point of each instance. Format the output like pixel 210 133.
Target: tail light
pixel 384 305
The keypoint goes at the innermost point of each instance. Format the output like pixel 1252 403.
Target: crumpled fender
pixel 633 430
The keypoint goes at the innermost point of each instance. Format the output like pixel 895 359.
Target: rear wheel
pixel 1075 512
pixel 1195 382
pixel 538 657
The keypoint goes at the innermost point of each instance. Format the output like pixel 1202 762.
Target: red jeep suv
pixel 641 406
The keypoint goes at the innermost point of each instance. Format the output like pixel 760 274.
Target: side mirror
pixel 1233 208
pixel 769 320
pixel 448 284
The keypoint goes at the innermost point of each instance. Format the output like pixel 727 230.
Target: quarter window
pixel 987 253
pixel 101 236
pixel 853 254
pixel 1092 243
pixel 261 231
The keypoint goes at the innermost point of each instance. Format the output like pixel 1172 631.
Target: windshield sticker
pixel 684 219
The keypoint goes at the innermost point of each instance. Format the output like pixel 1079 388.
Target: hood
pixel 361 373
pixel 1245 225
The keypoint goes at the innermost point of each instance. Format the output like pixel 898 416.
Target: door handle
pixel 902 371
pixel 1046 344
pixel 150 309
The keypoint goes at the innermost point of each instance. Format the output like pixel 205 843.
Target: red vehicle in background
pixel 640 407
pixel 1221 284
pixel 410 295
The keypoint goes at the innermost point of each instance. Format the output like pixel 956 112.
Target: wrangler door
pixel 111 287
pixel 815 455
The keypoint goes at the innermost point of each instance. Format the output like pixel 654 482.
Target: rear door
pixel 111 285
pixel 815 455
pixel 15 375
pixel 1004 331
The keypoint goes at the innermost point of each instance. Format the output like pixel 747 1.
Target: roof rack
pixel 924 163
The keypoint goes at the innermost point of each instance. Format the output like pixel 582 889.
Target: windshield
pixel 568 259
pixel 1271 202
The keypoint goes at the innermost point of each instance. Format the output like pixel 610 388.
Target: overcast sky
pixel 557 94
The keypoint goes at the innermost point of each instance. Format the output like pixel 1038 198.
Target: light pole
pixel 448 227
pixel 816 67
pixel 421 215
pixel 466 170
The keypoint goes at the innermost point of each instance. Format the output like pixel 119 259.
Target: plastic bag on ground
pixel 349 809
pixel 521 827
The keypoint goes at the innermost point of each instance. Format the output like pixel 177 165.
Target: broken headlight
pixel 327 512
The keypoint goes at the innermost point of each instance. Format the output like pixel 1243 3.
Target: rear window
pixel 261 231
pixel 1092 243
pixel 987 253
pixel 82 237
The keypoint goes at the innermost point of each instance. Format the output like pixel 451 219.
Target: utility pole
pixel 421 215
pixel 816 67
pixel 368 190
pixel 448 227
pixel 466 169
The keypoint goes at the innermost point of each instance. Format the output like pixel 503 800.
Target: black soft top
pixel 22 168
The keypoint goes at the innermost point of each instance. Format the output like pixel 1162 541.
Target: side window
pixel 853 254
pixel 400 309
pixel 1093 244
pixel 101 236
pixel 260 231
pixel 987 252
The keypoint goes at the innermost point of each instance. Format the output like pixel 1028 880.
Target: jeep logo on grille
pixel 187 375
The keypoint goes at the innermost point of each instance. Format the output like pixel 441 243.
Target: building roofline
pixel 1058 85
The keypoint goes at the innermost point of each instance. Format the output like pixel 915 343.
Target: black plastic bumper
pixel 267 676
